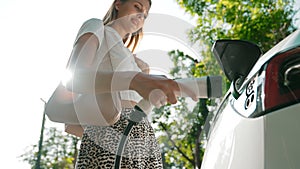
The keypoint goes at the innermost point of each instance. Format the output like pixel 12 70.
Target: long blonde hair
pixel 132 40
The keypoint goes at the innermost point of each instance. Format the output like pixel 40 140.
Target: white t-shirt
pixel 118 57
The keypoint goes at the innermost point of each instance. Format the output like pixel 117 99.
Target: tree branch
pixel 197 147
pixel 177 147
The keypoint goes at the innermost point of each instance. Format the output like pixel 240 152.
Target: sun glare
pixel 66 77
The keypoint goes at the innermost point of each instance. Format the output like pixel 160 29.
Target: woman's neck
pixel 119 29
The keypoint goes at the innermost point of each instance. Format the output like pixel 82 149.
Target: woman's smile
pixel 134 21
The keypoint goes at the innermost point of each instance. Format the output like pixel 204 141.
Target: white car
pixel 257 125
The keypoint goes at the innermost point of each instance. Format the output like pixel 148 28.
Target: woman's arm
pixel 88 80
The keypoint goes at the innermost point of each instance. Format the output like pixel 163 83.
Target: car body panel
pixel 282 138
pixel 235 141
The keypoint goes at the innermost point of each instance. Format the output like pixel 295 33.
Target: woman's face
pixel 132 14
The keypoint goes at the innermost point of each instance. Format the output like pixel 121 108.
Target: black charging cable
pixel 135 117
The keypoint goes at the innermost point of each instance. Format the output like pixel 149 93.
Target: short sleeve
pixel 94 26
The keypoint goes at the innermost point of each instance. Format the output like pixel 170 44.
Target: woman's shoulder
pixel 93 21
pixel 94 26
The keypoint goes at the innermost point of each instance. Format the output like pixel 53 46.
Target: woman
pixel 118 92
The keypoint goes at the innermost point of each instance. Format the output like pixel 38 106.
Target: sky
pixel 36 38
pixel 36 42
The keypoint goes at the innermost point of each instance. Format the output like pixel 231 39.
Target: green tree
pixel 264 22
pixel 59 151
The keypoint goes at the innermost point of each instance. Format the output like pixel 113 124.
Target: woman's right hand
pixel 157 89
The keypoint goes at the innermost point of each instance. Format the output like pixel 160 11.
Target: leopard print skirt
pixel 99 146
